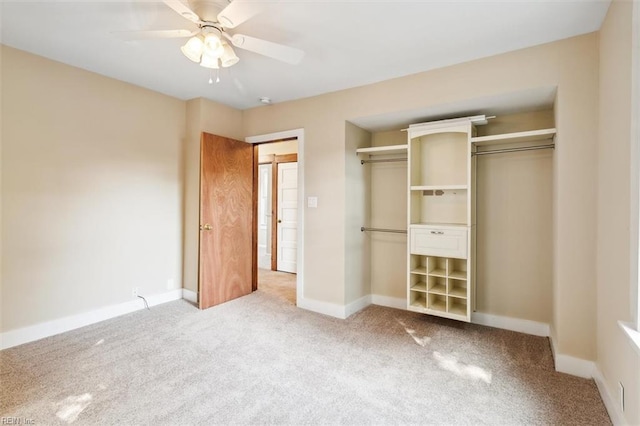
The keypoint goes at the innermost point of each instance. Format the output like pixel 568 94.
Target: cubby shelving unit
pixel 438 286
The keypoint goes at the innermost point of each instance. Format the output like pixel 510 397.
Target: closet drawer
pixel 436 241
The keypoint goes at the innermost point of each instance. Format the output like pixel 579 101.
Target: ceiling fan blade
pixel 153 34
pixel 239 11
pixel 283 53
pixel 183 10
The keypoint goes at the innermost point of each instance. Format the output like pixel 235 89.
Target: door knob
pixel 206 227
pixel 279 220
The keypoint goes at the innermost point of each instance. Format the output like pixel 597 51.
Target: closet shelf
pixel 438 187
pixel 458 309
pixel 420 302
pixel 419 286
pixel 528 136
pixel 458 292
pixel 383 150
pixel 440 272
pixel 450 225
pixel 458 275
pixel 438 289
pixel 438 305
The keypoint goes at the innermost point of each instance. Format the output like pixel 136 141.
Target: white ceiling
pixel 348 43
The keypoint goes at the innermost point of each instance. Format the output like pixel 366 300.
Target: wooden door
pixel 228 201
pixel 287 217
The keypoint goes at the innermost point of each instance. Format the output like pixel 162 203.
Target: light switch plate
pixel 312 202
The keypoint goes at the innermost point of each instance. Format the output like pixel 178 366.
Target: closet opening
pixel 497 181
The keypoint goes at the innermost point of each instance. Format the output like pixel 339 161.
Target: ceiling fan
pixel 209 44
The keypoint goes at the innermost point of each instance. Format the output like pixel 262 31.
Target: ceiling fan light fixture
pixel 213 45
pixel 209 61
pixel 228 57
pixel 192 49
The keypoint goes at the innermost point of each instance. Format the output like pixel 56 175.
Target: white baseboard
pixel 190 296
pixel 326 308
pixel 571 365
pixel 613 407
pixel 169 296
pixel 346 311
pixel 389 302
pixel 574 366
pixel 513 324
pixel 357 305
pixel 12 338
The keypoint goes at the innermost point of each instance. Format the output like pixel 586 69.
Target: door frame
pixel 274 137
pixel 274 160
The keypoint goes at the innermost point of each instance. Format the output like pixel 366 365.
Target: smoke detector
pixel 265 100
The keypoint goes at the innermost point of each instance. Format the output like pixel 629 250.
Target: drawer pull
pixel 437 232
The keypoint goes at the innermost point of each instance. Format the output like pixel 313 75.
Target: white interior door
pixel 287 217
pixel 264 216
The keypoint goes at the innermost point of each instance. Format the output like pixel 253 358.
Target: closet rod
pixel 395 231
pixel 525 148
pixel 388 160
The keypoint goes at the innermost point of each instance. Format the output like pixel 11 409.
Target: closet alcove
pixel 493 186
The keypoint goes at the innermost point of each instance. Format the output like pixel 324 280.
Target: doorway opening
pixel 277 218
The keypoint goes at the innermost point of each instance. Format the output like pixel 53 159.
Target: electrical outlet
pixel 134 292
pixel 621 390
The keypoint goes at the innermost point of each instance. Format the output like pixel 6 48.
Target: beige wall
pixel 116 169
pixel 389 210
pixel 514 225
pixel 571 65
pixel 278 148
pixel 91 188
pixel 616 359
pixel 201 116
pixel 576 111
pixel 357 251
pixel 324 162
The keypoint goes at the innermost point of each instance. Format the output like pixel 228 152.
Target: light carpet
pixel 260 360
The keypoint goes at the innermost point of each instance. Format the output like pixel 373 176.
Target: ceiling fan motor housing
pixel 208 10
pixel 210 28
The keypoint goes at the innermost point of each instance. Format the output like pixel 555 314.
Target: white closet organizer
pixel 441 212
pixel 441 217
